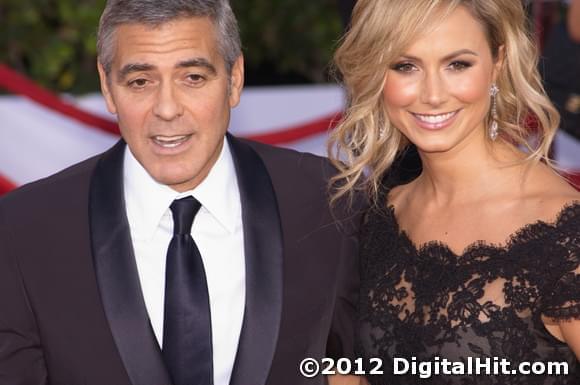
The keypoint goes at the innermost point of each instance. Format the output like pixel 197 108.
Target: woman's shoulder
pixel 379 217
pixel 552 195
pixel 397 195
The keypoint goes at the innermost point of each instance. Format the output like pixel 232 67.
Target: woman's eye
pixel 404 67
pixel 459 65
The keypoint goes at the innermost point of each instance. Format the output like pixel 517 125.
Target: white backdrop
pixel 36 142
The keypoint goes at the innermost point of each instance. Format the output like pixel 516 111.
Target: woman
pixel 478 256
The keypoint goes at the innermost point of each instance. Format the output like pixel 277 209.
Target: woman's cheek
pixel 400 92
pixel 470 88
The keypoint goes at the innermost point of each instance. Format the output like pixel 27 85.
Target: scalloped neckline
pixel 511 240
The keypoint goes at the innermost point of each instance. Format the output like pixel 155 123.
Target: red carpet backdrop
pixel 43 133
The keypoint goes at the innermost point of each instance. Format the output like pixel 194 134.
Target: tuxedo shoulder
pixel 294 164
pixel 303 180
pixel 70 184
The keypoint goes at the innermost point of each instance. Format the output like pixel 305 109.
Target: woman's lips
pixel 435 121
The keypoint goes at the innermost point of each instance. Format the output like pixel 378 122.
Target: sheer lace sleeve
pixel 561 301
pixel 429 303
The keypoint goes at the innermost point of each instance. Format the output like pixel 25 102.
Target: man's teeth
pixel 170 141
pixel 435 118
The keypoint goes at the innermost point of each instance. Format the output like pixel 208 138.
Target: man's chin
pixel 180 183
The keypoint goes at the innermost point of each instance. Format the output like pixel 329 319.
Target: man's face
pixel 172 95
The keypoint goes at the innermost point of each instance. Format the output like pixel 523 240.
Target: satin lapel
pixel 117 274
pixel 263 253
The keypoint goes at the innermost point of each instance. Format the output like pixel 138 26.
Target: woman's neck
pixel 469 173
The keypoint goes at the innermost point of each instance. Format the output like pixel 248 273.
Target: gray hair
pixel 156 12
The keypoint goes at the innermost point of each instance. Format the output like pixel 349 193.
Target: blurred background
pixel 54 41
pixel 52 114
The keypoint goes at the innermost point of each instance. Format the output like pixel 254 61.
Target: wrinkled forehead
pixel 194 27
pixel 192 33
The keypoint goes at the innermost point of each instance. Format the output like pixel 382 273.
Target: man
pixel 103 278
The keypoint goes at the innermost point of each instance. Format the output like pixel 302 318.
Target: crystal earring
pixel 494 127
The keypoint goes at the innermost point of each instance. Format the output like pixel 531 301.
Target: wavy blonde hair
pixel 364 145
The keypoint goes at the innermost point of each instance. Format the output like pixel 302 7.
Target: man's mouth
pixel 170 141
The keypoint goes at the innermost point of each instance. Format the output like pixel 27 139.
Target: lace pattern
pixel 488 301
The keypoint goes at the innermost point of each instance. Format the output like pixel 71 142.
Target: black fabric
pixel 560 65
pixel 115 272
pixel 72 310
pixel 428 302
pixel 264 254
pixel 187 347
pixel 118 278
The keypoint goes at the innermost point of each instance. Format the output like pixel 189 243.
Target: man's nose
pixel 167 106
pixel 433 89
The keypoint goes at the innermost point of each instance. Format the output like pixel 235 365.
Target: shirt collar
pixel 147 200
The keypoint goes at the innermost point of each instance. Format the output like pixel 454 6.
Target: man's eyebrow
pixel 142 67
pixel 447 57
pixel 133 67
pixel 197 62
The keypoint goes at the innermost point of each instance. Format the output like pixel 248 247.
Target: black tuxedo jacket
pixel 71 307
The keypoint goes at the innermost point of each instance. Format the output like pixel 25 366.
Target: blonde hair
pixel 364 145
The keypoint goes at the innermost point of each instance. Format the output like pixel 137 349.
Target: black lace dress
pixel 430 304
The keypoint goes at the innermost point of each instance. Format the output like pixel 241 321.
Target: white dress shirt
pixel 218 233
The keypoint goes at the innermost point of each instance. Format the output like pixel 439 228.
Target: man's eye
pixel 459 65
pixel 404 67
pixel 195 78
pixel 138 83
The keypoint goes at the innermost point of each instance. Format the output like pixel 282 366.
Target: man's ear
pixel 105 89
pixel 237 81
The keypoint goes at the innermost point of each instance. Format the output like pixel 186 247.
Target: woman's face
pixel 437 92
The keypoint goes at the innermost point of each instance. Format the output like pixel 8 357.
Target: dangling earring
pixel 382 132
pixel 494 127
